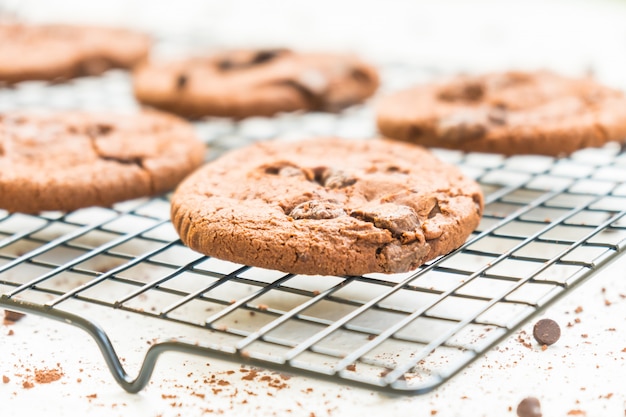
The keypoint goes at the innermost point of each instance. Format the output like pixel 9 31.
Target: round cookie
pixel 58 52
pixel 509 113
pixel 327 206
pixel 68 160
pixel 244 83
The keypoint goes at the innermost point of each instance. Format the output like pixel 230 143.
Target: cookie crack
pixel 136 161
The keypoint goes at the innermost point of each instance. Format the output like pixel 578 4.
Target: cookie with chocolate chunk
pixel 69 160
pixel 244 83
pixel 327 206
pixel 58 51
pixel 509 113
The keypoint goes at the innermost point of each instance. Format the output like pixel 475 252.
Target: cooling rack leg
pixel 104 343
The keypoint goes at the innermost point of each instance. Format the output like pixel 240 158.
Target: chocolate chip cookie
pixel 327 206
pixel 68 160
pixel 509 113
pixel 246 83
pixel 58 52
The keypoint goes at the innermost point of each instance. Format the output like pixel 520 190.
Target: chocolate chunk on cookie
pixel 58 52
pixel 69 160
pixel 327 206
pixel 509 113
pixel 242 83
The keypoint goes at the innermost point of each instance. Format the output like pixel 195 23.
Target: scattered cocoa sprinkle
pixel 577 320
pixel 351 367
pixel 544 347
pixel 433 412
pixel 45 376
pixel 223 382
pixel 576 413
pixel 520 339
pixel 611 329
pixel 5 379
pixel 230 372
pixel 608 396
pixel 92 396
pixel 584 335
pixel 78 380
pixel 10 332
pixel 578 310
pixel 27 384
pixel 168 396
pixel 251 375
pixel 263 307
pixel 198 394
pixel 11 316
pixel 624 350
pixel 607 303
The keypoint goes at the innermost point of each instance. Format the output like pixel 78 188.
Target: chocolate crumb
pixel 181 81
pixel 11 316
pixel 5 379
pixel 546 332
pixel 529 407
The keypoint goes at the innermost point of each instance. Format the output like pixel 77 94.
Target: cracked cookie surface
pixel 242 83
pixel 510 113
pixel 327 206
pixel 60 51
pixel 69 160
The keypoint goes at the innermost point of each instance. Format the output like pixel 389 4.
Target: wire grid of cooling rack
pixel 548 224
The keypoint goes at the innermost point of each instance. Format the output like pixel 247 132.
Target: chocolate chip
pixel 289 171
pixel 284 170
pixel 529 407
pixel 181 81
pixel 267 55
pixel 246 60
pixel 546 332
pixel 393 217
pixel 360 76
pixel 12 316
pixel 98 129
pixel 461 126
pixel 317 210
pixel 466 90
pixel 334 178
pixel 435 210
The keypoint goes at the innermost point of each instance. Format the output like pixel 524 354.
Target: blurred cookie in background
pixel 56 52
pixel 510 113
pixel 243 83
pixel 73 159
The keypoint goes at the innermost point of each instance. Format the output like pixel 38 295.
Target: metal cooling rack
pixel 548 224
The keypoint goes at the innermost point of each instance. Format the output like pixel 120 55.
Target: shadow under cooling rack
pixel 548 224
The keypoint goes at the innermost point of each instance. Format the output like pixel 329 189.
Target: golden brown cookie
pixel 255 83
pixel 327 206
pixel 509 113
pixel 58 52
pixel 68 160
